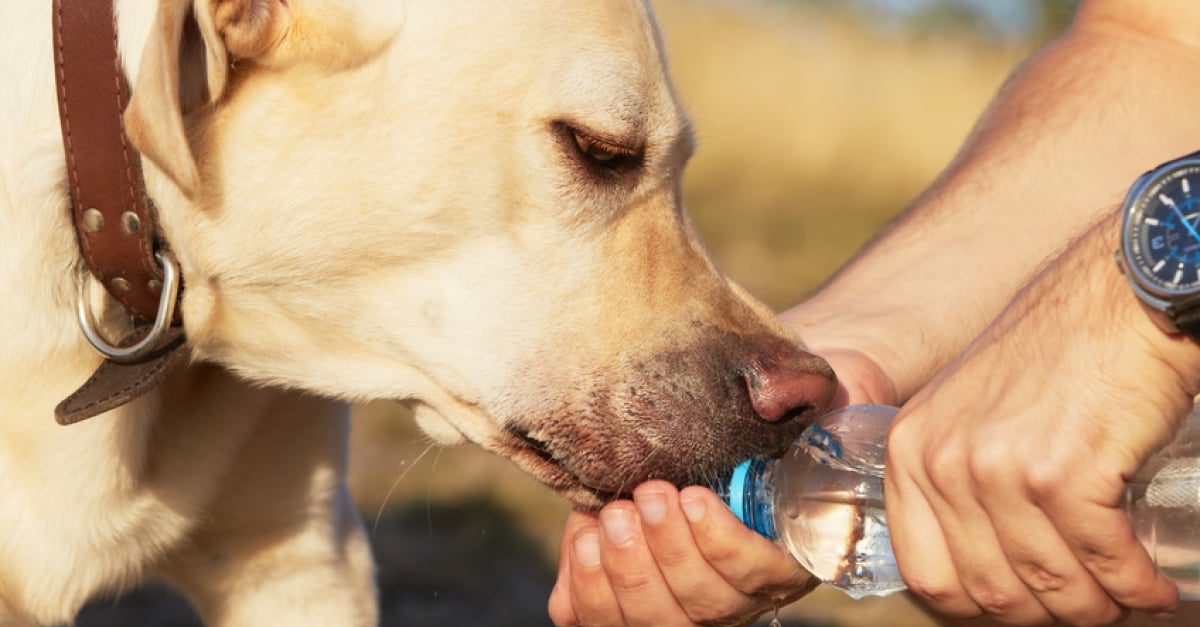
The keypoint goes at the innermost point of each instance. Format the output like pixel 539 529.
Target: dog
pixel 473 208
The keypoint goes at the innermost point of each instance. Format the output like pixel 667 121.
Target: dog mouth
pixel 591 466
pixel 536 457
pixel 677 416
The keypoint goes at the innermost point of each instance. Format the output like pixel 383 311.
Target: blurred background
pixel 818 121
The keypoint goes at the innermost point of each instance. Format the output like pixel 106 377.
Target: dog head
pixel 474 208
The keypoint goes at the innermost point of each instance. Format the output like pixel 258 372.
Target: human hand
pixel 860 379
pixel 674 557
pixel 1006 474
pixel 669 557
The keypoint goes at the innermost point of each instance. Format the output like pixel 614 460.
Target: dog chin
pixel 533 458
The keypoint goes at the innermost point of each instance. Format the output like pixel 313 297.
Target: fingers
pixel 978 553
pixel 640 589
pixel 668 558
pixel 1021 563
pixel 1049 570
pixel 700 589
pixel 608 575
pixel 1102 539
pixel 559 606
pixel 1032 518
pixel 581 582
pixel 976 531
pixel 746 560
pixel 919 543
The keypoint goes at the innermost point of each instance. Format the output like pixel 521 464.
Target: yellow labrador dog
pixel 471 207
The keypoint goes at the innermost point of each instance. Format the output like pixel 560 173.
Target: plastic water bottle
pixel 823 500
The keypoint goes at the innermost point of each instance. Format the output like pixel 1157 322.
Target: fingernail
pixel 693 507
pixel 617 524
pixel 587 549
pixel 652 506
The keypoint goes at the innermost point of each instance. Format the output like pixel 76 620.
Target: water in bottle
pixel 823 500
pixel 1163 503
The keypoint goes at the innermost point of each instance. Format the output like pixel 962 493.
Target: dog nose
pixel 786 386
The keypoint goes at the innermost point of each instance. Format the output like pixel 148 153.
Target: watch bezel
pixel 1164 299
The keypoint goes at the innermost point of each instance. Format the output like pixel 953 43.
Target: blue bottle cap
pixel 736 498
pixel 746 494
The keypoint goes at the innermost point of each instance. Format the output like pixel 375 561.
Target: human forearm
pixel 1072 128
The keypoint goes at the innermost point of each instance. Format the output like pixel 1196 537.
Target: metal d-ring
pixel 162 319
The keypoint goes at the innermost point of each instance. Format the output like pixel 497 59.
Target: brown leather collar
pixel 117 230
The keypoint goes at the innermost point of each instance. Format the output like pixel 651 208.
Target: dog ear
pixel 190 39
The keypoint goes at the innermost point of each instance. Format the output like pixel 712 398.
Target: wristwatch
pixel 1160 243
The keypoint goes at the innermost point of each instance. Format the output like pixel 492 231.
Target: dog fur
pixel 473 208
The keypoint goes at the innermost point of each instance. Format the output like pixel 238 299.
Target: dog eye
pixel 602 156
pixel 599 151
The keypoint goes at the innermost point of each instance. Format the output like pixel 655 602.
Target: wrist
pixel 1176 354
pixel 1169 358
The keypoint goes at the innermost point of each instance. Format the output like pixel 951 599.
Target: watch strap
pixel 1189 322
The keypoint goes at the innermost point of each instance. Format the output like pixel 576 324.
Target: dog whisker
pixel 429 492
pixel 388 495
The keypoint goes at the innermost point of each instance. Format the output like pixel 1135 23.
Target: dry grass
pixel 813 133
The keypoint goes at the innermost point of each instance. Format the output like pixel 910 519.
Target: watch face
pixel 1163 230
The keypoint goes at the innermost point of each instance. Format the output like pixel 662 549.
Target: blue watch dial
pixel 1163 230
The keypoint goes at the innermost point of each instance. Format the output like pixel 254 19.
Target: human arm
pixel 1072 127
pixel 971 534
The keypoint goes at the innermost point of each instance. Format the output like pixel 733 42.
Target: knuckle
pixel 1041 580
pixel 743 574
pixel 939 594
pixel 995 601
pixel 944 467
pixel 633 583
pixel 1133 587
pixel 989 462
pixel 673 558
pixel 1044 480
pixel 720 553
pixel 904 435
pixel 1100 562
pixel 941 453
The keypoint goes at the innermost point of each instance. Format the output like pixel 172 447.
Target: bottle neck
pixel 748 492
